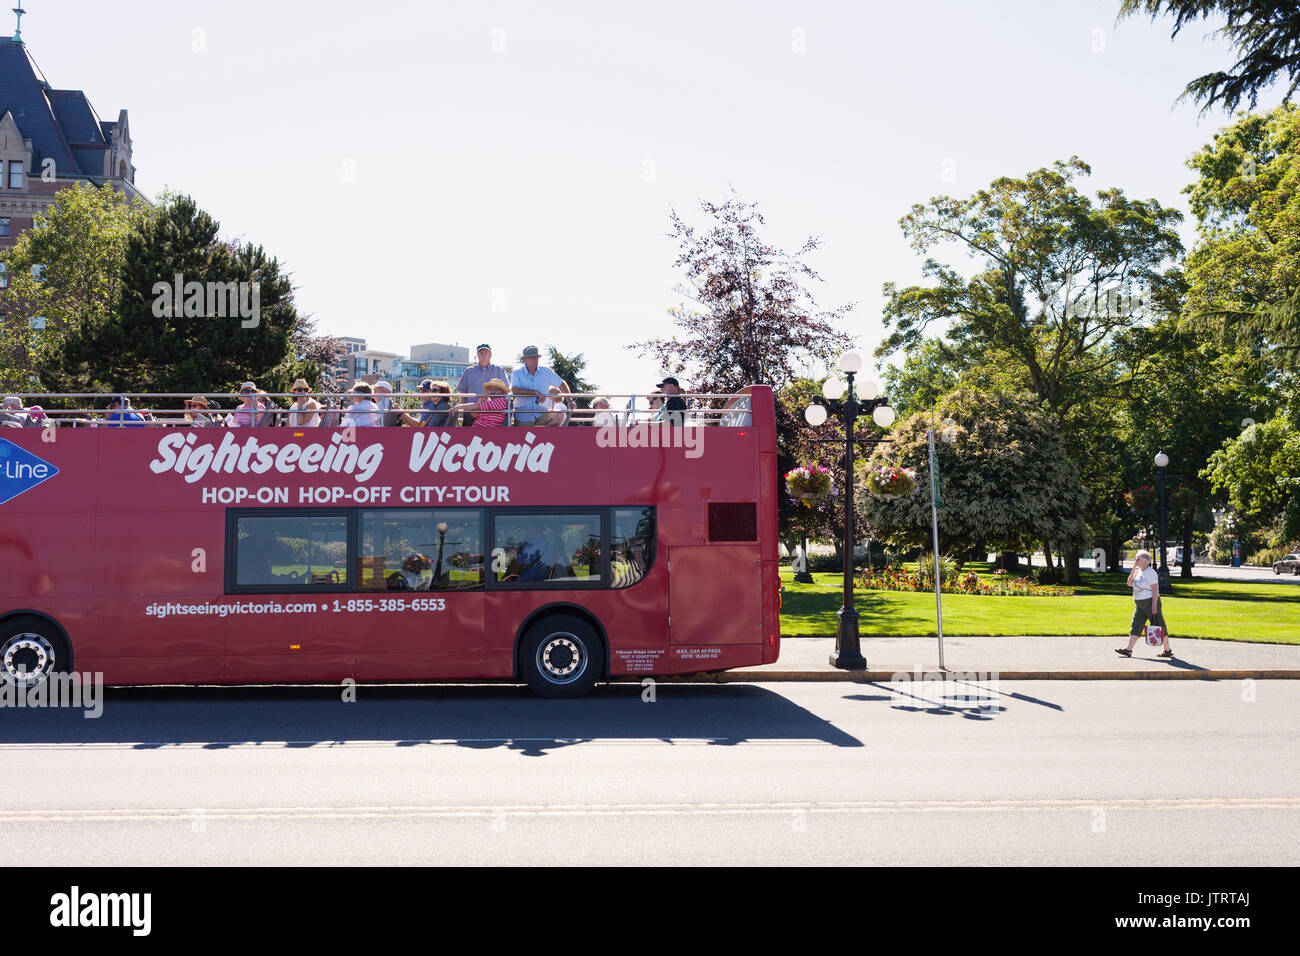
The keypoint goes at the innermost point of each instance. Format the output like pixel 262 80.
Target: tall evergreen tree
pixel 1265 35
pixel 152 342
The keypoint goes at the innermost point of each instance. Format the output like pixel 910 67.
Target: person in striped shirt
pixel 492 407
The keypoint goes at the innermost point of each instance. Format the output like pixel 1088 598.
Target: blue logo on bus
pixel 21 471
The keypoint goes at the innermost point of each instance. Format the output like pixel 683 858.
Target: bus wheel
pixel 30 651
pixel 561 656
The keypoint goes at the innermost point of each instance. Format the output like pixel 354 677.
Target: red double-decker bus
pixel 555 556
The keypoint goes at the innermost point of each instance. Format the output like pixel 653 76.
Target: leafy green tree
pixel 1243 274
pixel 1068 289
pixel 1006 476
pixel 1065 282
pixel 148 344
pixel 1260 471
pixel 1201 394
pixel 67 269
pixel 1265 35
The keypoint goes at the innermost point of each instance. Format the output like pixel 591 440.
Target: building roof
pixel 61 124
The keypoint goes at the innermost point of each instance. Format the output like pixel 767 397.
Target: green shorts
pixel 1142 614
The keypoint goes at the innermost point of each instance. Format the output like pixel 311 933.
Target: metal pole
pixel 1164 567
pixel 934 523
pixel 848 650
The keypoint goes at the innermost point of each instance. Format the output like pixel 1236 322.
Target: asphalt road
pixel 1093 773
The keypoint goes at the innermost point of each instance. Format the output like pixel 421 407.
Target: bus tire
pixel 31 649
pixel 561 656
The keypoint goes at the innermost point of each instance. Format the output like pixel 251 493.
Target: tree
pixel 1265 35
pixel 1064 284
pixel 1244 274
pixel 1006 476
pixel 311 357
pixel 67 269
pixel 150 343
pixel 753 320
pixel 1260 471
pixel 570 369
pixel 1069 288
pixel 1205 393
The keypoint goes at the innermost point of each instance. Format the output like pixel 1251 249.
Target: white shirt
pixel 364 412
pixel 603 419
pixel 1144 582
pixel 300 416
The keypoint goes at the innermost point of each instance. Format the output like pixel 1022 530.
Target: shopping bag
pixel 1155 634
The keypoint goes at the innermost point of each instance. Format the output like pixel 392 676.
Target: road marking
pixel 187 814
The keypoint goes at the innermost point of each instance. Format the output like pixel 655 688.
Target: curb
pixel 874 676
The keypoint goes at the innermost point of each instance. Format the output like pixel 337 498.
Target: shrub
pixel 947 569
pixel 1048 576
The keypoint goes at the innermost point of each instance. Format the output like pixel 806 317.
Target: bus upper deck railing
pixel 338 410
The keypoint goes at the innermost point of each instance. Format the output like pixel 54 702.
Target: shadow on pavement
pixel 970 699
pixel 479 717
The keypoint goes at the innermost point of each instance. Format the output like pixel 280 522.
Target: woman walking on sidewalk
pixel 1146 605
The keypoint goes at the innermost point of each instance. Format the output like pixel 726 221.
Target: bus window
pixel 631 545
pixel 420 550
pixel 291 552
pixel 547 549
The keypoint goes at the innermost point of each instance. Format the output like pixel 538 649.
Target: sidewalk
pixel 1027 658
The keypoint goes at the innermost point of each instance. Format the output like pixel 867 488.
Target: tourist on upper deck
pixel 674 410
pixel 198 413
pixel 270 411
pixel 603 416
pixel 384 399
pixel 12 413
pixel 363 412
pixel 122 415
pixel 656 412
pixel 474 378
pixel 532 384
pixel 491 409
pixel 552 409
pixel 305 410
pixel 437 408
pixel 246 415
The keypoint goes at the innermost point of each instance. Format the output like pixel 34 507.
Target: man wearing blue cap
pixel 476 376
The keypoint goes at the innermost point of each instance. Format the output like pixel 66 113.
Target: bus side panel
pixel 45 556
pixel 432 645
pixel 767 536
pixel 715 595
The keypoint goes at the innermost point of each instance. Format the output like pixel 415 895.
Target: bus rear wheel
pixel 561 656
pixel 31 649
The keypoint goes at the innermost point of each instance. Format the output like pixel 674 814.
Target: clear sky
pixel 503 171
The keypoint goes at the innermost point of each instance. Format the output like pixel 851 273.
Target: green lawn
pixel 1218 610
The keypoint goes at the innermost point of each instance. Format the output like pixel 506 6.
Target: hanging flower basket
pixel 1142 499
pixel 808 483
pixel 415 563
pixel 890 481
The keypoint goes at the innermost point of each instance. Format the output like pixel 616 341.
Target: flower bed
pixel 900 579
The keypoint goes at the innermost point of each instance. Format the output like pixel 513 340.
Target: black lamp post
pixel 1161 461
pixel 840 400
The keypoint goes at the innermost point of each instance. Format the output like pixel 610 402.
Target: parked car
pixel 1290 563
pixel 1178 557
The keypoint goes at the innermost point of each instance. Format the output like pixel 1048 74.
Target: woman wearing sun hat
pixel 196 413
pixel 305 410
pixel 492 407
